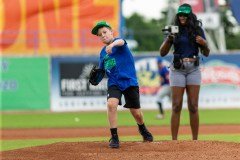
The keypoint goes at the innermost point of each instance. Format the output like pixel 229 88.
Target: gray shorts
pixel 189 75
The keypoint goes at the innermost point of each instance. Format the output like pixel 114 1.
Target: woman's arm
pixel 203 45
pixel 205 50
pixel 166 46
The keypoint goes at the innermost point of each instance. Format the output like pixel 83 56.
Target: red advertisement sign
pixel 199 6
pixel 53 26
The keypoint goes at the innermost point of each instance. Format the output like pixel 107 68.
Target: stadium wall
pixel 24 83
pixel 60 83
pixel 70 90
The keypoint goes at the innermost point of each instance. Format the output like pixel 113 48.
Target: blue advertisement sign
pixel 70 90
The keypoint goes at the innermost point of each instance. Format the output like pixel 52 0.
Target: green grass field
pixel 99 119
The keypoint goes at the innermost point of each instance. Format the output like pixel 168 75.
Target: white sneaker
pixel 159 116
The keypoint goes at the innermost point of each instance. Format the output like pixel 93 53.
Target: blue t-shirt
pixel 183 47
pixel 164 74
pixel 119 66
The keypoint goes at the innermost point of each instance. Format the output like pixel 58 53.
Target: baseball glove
pixel 96 75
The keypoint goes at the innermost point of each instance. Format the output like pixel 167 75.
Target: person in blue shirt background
pixel 165 89
pixel 117 61
pixel 184 72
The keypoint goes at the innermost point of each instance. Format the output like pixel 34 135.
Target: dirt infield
pixel 104 132
pixel 158 150
pixel 162 150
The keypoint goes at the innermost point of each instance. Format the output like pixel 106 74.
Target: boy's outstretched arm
pixel 116 43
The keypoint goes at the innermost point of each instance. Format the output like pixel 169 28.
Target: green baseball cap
pixel 185 9
pixel 98 25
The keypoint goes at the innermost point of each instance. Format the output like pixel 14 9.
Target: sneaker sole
pixel 147 140
pixel 113 146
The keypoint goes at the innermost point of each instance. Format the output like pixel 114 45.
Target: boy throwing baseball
pixel 117 61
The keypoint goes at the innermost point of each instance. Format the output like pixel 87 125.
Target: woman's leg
pixel 177 99
pixel 192 95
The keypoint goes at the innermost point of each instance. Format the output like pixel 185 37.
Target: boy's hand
pixel 109 48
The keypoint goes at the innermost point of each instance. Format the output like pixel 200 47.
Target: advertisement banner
pixel 200 6
pixel 197 5
pixel 54 27
pixel 220 81
pixel 24 83
pixel 70 90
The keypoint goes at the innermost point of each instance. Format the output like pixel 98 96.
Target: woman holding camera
pixel 185 72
